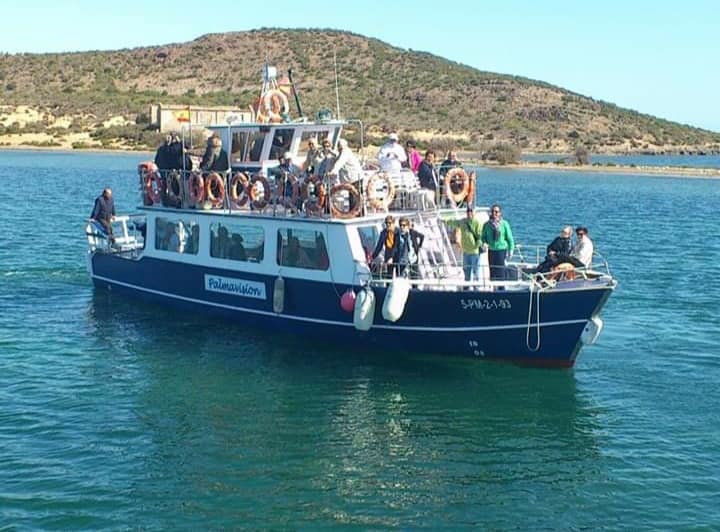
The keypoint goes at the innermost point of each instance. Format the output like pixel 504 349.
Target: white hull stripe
pixel 337 323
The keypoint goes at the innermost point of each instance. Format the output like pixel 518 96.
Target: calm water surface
pixel 117 414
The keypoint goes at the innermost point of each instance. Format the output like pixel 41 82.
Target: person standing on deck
pixel 392 155
pixel 471 241
pixel 215 158
pixel 498 239
pixel 104 212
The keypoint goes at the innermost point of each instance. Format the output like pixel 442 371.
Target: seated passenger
pixel 583 249
pixel 237 250
pixel 295 255
pixel 558 251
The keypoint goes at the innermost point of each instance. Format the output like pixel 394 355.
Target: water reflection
pixel 348 436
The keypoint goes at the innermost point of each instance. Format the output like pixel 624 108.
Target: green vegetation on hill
pixel 422 95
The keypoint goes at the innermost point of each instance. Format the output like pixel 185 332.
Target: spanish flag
pixel 183 115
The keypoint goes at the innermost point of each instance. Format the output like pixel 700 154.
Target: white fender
pixel 395 299
pixel 364 309
pixel 592 330
pixel 279 295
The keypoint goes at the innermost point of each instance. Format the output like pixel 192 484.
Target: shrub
pixel 504 153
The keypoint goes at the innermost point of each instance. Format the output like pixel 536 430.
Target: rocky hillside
pixel 102 98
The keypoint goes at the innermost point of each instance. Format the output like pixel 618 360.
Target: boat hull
pixel 502 325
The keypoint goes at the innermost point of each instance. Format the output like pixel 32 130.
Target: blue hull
pixel 476 324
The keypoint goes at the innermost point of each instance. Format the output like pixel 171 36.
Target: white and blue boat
pixel 291 255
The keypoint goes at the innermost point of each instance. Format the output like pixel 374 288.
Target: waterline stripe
pixel 331 322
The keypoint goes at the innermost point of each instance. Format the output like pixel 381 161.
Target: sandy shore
pixel 620 169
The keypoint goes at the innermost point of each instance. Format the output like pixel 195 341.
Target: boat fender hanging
pixel 347 300
pixel 279 295
pixel 592 330
pixel 395 299
pixel 364 309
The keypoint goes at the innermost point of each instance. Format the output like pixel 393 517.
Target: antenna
pixel 337 92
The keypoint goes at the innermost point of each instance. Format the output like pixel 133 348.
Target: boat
pixel 291 254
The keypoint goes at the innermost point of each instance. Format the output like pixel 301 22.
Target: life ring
pixel 380 203
pixel 173 189
pixel 215 189
pixel 146 167
pixel 272 105
pixel 238 189
pixel 314 195
pixel 471 188
pixel 196 188
pixel 153 188
pixel 255 200
pixel 454 177
pixel 354 201
pixel 294 184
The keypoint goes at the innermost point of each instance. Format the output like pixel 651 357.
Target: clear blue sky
pixel 661 58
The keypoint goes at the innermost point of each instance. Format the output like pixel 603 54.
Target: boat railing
pixel 128 235
pixel 282 194
pixel 529 256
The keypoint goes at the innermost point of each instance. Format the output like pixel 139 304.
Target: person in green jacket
pixel 497 238
pixel 471 240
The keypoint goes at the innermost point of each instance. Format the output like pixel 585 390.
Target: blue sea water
pixel 117 414
pixel 671 160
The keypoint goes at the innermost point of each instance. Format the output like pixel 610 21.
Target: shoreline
pixel 690 172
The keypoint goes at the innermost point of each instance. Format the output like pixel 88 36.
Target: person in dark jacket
pixel 215 158
pixel 407 249
pixel 162 156
pixel 104 211
pixel 449 163
pixel 558 251
pixel 428 177
pixel 178 157
pixel 387 244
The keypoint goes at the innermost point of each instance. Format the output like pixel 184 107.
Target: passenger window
pixel 240 242
pixel 179 236
pixel 302 248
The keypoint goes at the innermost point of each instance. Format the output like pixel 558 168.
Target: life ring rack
pixel 375 202
pixel 354 201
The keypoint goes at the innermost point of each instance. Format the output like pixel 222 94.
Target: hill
pixel 101 98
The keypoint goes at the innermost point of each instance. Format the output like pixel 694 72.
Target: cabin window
pixel 247 146
pixel 368 238
pixel 236 241
pixel 179 236
pixel 280 143
pixel 302 248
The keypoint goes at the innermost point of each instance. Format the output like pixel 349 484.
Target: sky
pixel 660 57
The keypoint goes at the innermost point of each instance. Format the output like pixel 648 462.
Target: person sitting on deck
pixel 583 249
pixel 558 252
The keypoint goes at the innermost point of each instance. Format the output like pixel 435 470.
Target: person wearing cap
pixel 392 155
pixel 471 241
pixel 497 238
pixel 215 158
pixel 346 167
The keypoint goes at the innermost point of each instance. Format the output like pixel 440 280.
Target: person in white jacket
pixel 347 167
pixel 583 248
pixel 392 155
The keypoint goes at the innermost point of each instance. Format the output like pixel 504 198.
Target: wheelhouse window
pixel 247 145
pixel 179 236
pixel 302 248
pixel 235 241
pixel 282 139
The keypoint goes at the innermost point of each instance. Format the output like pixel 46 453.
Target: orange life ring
pixel 153 188
pixel 174 188
pixel 196 188
pixel 238 189
pixel 255 200
pixel 215 189
pixel 380 203
pixel 292 181
pixel 314 195
pixel 354 201
pixel 454 177
pixel 271 106
pixel 471 188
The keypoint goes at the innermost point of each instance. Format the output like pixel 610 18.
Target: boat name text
pixel 485 304
pixel 235 287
